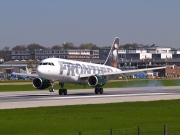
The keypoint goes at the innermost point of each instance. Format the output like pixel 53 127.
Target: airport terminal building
pixel 65 54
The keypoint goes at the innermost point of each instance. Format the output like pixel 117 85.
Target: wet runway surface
pixel 45 98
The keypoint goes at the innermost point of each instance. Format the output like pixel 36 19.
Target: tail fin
pixel 112 58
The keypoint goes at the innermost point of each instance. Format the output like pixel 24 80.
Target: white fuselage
pixel 69 71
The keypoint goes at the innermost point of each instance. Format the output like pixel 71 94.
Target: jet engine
pixel 96 81
pixel 40 83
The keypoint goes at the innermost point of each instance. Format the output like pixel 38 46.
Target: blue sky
pixel 52 22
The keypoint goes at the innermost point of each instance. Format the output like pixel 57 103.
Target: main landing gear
pixel 62 90
pixel 98 90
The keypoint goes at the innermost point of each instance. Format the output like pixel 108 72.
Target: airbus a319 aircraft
pixel 51 70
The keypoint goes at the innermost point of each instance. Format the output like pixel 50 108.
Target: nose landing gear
pixel 52 87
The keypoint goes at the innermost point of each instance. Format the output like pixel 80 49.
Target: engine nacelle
pixel 96 81
pixel 40 83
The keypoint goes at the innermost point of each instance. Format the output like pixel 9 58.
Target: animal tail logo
pixel 112 58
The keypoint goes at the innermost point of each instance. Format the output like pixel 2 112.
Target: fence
pixel 136 131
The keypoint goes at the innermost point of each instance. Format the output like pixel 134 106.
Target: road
pixel 75 97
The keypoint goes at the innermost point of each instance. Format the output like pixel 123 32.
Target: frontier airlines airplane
pixel 64 71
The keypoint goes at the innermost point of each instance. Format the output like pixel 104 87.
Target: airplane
pixel 65 71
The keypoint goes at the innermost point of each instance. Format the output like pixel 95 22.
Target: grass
pixel 123 118
pixel 13 81
pixel 117 84
pixel 8 88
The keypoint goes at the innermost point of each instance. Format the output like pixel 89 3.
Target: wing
pixel 113 75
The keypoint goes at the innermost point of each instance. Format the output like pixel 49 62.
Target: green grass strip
pixel 117 84
pixel 123 118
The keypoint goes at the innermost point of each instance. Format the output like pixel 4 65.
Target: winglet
pixel 112 58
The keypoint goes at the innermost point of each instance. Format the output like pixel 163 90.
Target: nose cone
pixel 41 71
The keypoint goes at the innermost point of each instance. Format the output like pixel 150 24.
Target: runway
pixel 39 98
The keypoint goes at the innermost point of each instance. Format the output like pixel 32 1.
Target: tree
pixel 146 46
pixel 19 47
pixel 35 46
pixel 134 46
pixel 85 46
pixel 57 47
pixel 68 45
pixel 6 48
pixel 5 53
pixel 127 46
pixel 88 46
pixel 2 54
pixel 94 47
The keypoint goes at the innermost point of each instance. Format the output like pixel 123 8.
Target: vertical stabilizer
pixel 112 58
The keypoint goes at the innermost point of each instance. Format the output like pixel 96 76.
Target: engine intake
pixel 40 83
pixel 96 81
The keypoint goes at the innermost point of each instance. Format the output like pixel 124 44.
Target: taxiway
pixel 76 97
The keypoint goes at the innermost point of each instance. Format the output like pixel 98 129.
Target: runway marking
pixel 92 96
pixel 49 97
pixel 105 96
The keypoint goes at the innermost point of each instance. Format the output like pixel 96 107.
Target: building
pixel 43 54
pixel 22 54
pixel 143 53
pixel 152 56
pixel 168 72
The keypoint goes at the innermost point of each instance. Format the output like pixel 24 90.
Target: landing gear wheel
pixel 101 90
pixel 51 90
pixel 65 91
pixel 96 90
pixel 60 91
pixel 52 86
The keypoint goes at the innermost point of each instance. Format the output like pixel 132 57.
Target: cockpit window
pixel 47 63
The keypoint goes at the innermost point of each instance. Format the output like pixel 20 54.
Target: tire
pixel 65 91
pixel 50 90
pixel 96 90
pixel 101 90
pixel 60 91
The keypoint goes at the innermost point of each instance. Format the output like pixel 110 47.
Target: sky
pixel 53 22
